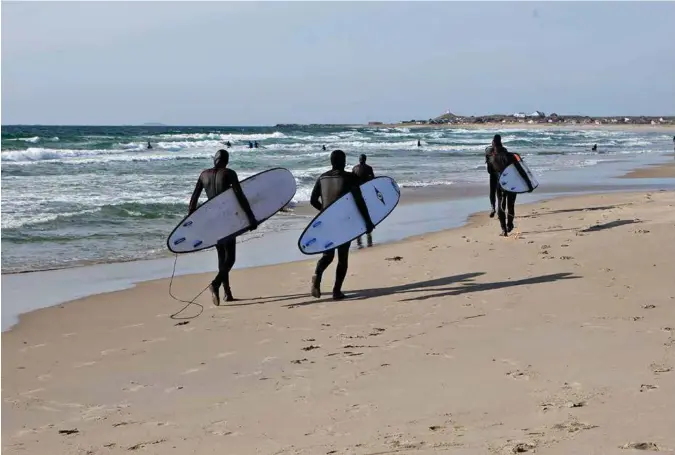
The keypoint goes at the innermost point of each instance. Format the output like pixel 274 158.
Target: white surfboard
pixel 222 217
pixel 512 181
pixel 341 222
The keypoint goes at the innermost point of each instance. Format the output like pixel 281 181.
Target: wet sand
pixel 658 171
pixel 558 339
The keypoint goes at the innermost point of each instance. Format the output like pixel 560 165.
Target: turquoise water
pixel 76 195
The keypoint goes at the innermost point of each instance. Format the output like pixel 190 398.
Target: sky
pixel 263 63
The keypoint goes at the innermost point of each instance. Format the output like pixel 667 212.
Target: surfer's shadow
pixel 363 294
pixel 466 288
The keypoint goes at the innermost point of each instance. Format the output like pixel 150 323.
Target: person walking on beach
pixel 214 181
pixel 364 173
pixel 331 186
pixel 498 160
pixel 494 177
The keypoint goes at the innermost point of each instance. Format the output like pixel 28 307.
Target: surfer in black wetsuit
pixel 494 177
pixel 498 160
pixel 149 146
pixel 214 181
pixel 365 174
pixel 331 186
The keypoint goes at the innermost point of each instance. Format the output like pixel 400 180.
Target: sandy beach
pixel 557 340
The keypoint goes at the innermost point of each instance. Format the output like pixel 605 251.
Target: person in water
pixel 364 173
pixel 214 181
pixel 324 148
pixel 419 143
pixel 494 177
pixel 331 186
pixel 228 144
pixel 498 160
pixel 255 144
pixel 250 144
pixel 594 148
pixel 149 146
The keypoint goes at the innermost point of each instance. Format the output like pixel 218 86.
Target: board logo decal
pixel 187 223
pixel 316 224
pixel 180 240
pixel 328 245
pixel 197 243
pixel 379 195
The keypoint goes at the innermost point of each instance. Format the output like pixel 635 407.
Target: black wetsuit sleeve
pixel 316 195
pixel 241 197
pixel 371 173
pixel 195 195
pixel 355 189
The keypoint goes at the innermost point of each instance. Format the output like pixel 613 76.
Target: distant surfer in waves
pixel 331 186
pixel 149 146
pixel 419 143
pixel 499 159
pixel 594 148
pixel 214 181
pixel 228 144
pixel 365 174
pixel 324 148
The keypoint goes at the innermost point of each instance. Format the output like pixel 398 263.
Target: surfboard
pixel 341 222
pixel 222 217
pixel 516 180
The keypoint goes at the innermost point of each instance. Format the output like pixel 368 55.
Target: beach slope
pixel 559 339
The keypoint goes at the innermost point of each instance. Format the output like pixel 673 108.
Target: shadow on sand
pixel 440 287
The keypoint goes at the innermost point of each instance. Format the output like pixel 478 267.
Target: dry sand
pixel 559 340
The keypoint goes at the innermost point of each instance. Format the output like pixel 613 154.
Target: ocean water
pixel 78 195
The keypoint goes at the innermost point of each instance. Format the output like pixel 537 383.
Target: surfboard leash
pixel 187 303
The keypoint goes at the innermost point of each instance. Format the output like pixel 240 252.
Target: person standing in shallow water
pixel 498 160
pixel 216 180
pixel 331 186
pixel 364 173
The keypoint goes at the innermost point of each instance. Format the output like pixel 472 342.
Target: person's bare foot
pixel 492 213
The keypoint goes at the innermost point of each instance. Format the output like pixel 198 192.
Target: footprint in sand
pixel 84 364
pixel 44 377
pixel 192 371
pixel 132 326
pixel 35 346
pixel 32 392
pixel 173 389
pixel 222 355
pixel 155 340
pixel 218 428
pixel 134 387
pixel 66 335
pixel 110 351
pixel 658 369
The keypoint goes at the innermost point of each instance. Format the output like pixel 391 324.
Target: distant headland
pixel 536 118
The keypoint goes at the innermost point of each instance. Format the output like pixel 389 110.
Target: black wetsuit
pixel 215 181
pixel 494 178
pixel 506 200
pixel 364 173
pixel 330 187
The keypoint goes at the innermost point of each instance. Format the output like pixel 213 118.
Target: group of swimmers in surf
pixel 329 187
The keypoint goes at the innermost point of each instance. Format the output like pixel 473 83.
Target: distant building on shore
pixel 374 123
